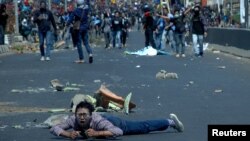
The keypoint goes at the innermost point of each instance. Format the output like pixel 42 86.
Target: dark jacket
pixel 44 24
pixel 198 24
pixel 80 14
pixel 3 18
pixel 149 22
pixel 116 24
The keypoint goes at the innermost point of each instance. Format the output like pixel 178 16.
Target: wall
pixel 239 38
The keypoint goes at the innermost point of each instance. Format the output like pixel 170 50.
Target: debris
pixel 3 126
pixel 57 110
pixel 138 66
pixel 104 96
pixel 216 51
pixel 158 97
pixel 57 85
pixel 217 58
pixel 67 89
pixel 59 44
pixel 18 127
pixel 164 75
pixel 191 82
pixel 126 103
pixel 221 67
pixel 147 51
pixel 97 81
pixel 55 119
pixel 41 125
pixel 218 91
pixel 29 90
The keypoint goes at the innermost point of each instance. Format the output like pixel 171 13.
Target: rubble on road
pixel 163 74
pixel 58 86
pixel 104 101
pixel 55 119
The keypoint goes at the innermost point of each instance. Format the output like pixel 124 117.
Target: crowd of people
pixel 163 27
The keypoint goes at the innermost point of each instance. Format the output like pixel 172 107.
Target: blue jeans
pixel 158 40
pixel 138 127
pixel 49 42
pixel 1 35
pixel 198 39
pixel 180 42
pixel 116 38
pixel 171 39
pixel 83 36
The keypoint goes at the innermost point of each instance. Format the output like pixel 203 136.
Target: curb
pixel 4 49
pixel 231 50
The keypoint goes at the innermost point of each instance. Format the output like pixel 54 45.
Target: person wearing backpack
pixel 80 14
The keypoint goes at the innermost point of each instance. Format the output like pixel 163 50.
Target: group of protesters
pixel 164 27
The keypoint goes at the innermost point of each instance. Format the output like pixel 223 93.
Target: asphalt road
pixel 192 96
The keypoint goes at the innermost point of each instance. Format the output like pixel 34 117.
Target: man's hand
pixel 187 34
pixel 74 134
pixel 205 34
pixel 91 133
pixel 4 13
pixel 40 17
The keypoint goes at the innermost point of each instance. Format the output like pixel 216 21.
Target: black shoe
pixel 201 54
pixel 90 59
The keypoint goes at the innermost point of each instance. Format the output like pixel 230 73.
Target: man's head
pixel 197 10
pixel 3 7
pixel 117 14
pixel 79 2
pixel 43 5
pixel 83 113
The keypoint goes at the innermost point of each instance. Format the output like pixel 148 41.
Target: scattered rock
pixel 97 81
pixel 57 85
pixel 55 119
pixel 164 75
pixel 18 126
pixel 216 51
pixel 221 67
pixel 218 91
pixel 57 110
pixel 138 66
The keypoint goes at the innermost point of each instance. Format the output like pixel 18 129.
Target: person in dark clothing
pixel 149 27
pixel 125 26
pixel 106 27
pixel 81 14
pixel 116 26
pixel 3 22
pixel 199 30
pixel 180 29
pixel 44 19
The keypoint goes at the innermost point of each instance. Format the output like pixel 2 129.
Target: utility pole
pixel 246 13
pixel 16 17
pixel 65 5
pixel 49 4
